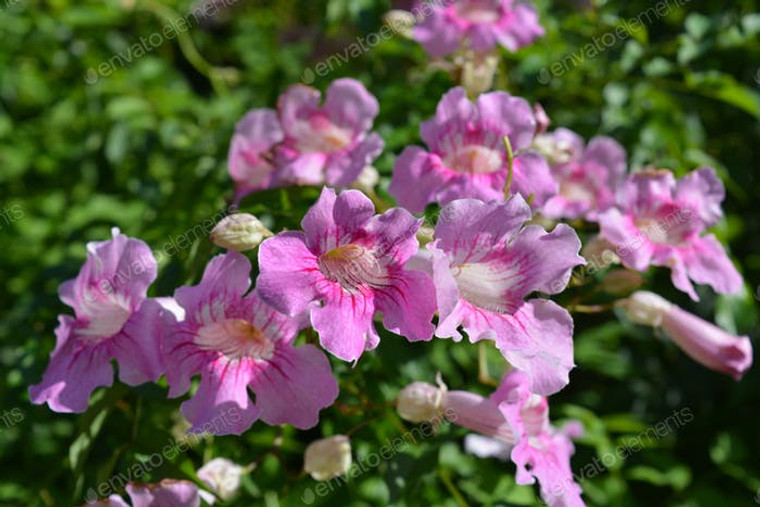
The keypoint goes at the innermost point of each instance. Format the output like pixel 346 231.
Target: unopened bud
pixel 222 476
pixel 367 180
pixel 599 254
pixel 420 402
pixel 241 232
pixel 647 308
pixel 401 21
pixel 478 72
pixel 328 458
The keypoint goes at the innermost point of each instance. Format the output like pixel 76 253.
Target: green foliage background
pixel 144 149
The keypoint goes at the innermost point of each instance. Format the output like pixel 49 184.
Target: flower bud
pixel 647 308
pixel 241 232
pixel 328 457
pixel 478 72
pixel 367 180
pixel 222 476
pixel 478 414
pixel 420 402
pixel 703 341
pixel 599 254
pixel 402 22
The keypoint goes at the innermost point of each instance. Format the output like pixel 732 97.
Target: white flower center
pixel 475 159
pixel 235 338
pixel 577 191
pixel 352 266
pixel 106 312
pixel 485 286
pixel 321 135
pixel 476 12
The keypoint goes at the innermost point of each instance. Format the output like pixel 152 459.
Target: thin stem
pixel 510 164
pixel 590 308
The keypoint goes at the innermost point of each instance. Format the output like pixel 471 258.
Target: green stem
pixel 510 165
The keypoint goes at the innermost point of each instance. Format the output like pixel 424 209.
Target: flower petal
pixel 344 323
pixel 408 305
pixel 294 386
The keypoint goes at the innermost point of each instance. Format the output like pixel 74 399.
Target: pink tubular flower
pixel 237 342
pixel 167 493
pixel 329 143
pixel 485 262
pixel 541 452
pixel 250 155
pixel 352 262
pixel 588 178
pixel 704 342
pixel 479 25
pixel 467 157
pixel 661 222
pixel 113 320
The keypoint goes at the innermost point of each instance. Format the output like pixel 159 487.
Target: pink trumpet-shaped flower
pixel 167 493
pixel 661 222
pixel 352 262
pixel 485 263
pixel 588 177
pixel 479 25
pixel 250 161
pixel 703 341
pixel 331 143
pixel 541 452
pixel 512 422
pixel 113 320
pixel 467 157
pixel 303 143
pixel 236 343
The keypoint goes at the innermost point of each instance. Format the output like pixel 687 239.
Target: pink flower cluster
pixel 479 25
pixel 305 143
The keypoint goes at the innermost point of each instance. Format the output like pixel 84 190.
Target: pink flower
pixel 250 156
pixel 303 143
pixel 703 341
pixel 661 222
pixel 467 157
pixel 236 343
pixel 541 452
pixel 113 320
pixel 167 493
pixel 485 263
pixel 329 143
pixel 351 262
pixel 588 178
pixel 479 25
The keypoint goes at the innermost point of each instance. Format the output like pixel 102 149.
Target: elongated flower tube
pixel 661 221
pixel 485 264
pixel 479 25
pixel 113 320
pixel 466 156
pixel 346 264
pixel 703 341
pixel 236 343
